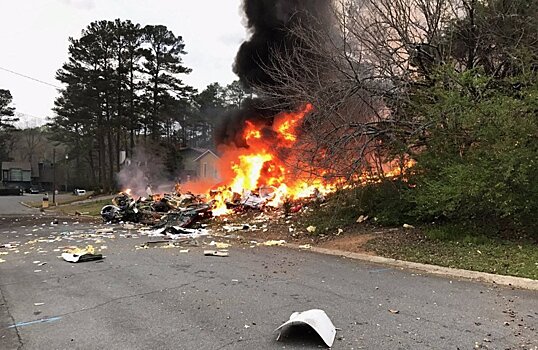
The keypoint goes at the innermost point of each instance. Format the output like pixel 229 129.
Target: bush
pixel 480 160
pixel 384 201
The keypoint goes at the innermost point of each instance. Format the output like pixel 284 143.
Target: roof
pixel 193 149
pixel 17 165
pixel 206 152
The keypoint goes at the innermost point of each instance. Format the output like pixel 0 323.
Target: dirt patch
pixel 274 226
pixel 350 243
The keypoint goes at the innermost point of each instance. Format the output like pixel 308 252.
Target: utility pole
pixel 66 171
pixel 54 176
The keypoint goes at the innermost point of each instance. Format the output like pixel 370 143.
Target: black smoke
pixel 269 23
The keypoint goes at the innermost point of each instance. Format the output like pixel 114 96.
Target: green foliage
pixel 385 203
pixel 6 110
pixel 7 119
pixel 173 160
pixel 121 80
pixel 480 152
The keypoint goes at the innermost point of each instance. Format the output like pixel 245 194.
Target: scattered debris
pixel 408 226
pixel 230 228
pixel 104 230
pixel 362 218
pixel 39 304
pixel 81 255
pixel 317 320
pixel 271 243
pixel 220 245
pixel 305 246
pixel 311 229
pixel 157 210
pixel 215 253
pixel 392 311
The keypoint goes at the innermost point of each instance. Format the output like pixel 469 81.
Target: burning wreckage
pixel 179 212
pixel 254 177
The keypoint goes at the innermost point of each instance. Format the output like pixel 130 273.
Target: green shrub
pixel 480 159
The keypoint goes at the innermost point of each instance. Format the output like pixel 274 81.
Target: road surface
pixel 159 298
pixel 11 205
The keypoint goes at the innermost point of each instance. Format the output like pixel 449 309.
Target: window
pixel 204 172
pixel 5 175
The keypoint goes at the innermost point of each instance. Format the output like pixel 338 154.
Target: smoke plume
pixel 144 174
pixel 269 23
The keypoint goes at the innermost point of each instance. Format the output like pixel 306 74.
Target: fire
pixel 259 172
pixel 267 171
pixel 258 169
pixel 251 132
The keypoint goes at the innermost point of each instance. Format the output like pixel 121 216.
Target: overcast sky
pixel 34 39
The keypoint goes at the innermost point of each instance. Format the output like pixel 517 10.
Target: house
pixel 207 166
pixel 199 164
pixel 16 175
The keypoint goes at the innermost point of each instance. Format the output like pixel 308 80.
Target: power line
pixel 28 77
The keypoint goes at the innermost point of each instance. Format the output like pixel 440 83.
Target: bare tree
pixel 31 140
pixel 356 73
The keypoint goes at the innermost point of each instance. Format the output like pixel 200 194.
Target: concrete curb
pixel 516 282
pixel 27 205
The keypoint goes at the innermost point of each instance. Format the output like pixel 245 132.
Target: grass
pixel 454 247
pixel 470 247
pixel 90 208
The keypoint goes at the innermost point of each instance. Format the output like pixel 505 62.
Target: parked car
pixel 79 192
pixel 34 190
pixel 11 191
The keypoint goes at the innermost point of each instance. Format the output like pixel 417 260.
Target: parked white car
pixel 79 192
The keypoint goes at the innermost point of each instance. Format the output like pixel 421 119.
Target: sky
pixel 34 39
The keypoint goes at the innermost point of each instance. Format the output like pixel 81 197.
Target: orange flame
pixel 258 167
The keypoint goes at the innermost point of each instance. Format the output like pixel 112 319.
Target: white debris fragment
pixel 311 229
pixel 220 245
pixel 215 253
pixel 107 230
pixel 273 243
pixel 318 320
pixel 362 218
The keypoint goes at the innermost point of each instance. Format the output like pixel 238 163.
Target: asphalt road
pixel 11 205
pixel 163 299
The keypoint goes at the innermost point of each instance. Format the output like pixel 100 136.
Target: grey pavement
pixel 11 205
pixel 163 299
